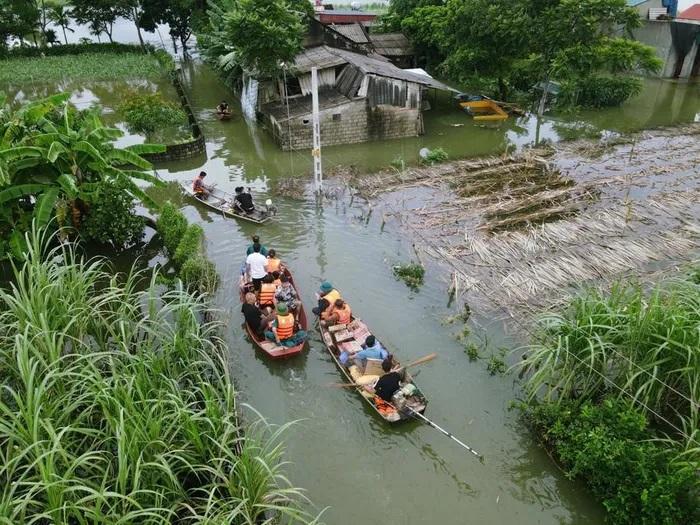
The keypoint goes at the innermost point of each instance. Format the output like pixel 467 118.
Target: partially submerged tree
pixel 180 15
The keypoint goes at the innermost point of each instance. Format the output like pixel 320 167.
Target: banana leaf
pixel 45 206
pixel 22 190
pixel 122 156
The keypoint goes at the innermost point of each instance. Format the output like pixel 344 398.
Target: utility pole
pixel 316 122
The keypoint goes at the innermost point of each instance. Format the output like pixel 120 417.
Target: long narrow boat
pixel 355 334
pixel 224 115
pixel 221 201
pixel 271 348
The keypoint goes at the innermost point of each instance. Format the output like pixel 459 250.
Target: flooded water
pixel 347 459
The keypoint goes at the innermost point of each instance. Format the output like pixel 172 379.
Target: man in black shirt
pixel 244 200
pixel 387 385
pixel 254 316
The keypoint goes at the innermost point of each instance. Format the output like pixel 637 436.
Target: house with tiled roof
pixel 692 13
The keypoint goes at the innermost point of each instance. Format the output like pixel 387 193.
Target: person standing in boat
pixel 282 329
pixel 243 201
pixel 326 299
pixel 255 266
pixel 256 240
pixel 198 187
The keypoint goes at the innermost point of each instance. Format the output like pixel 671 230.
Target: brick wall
pixel 350 123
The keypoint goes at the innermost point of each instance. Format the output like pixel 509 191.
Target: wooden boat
pixel 224 115
pixel 271 348
pixel 484 110
pixel 354 334
pixel 221 201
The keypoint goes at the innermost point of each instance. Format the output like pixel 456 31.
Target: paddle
pixel 440 429
pixel 420 361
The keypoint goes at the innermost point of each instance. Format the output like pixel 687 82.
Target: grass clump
pixel 151 114
pixel 172 225
pixel 117 405
pixel 86 66
pixel 412 274
pixel 190 244
pixel 435 156
pixel 472 351
pixel 496 365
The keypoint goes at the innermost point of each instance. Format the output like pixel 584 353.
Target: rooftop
pixel 327 99
pixel 391 44
pixel 354 32
pixel 692 13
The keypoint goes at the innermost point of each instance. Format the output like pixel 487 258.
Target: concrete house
pixel 363 97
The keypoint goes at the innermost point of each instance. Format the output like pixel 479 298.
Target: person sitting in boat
pixel 372 350
pixel 389 383
pixel 286 293
pixel 267 292
pixel 256 319
pixel 223 109
pixel 198 188
pixel 326 300
pixel 243 201
pixel 282 328
pixel 256 240
pixel 340 314
pixel 276 278
pixel 273 263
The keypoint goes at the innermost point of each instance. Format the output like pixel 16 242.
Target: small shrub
pixel 399 164
pixel 111 218
pixel 171 226
pixel 150 112
pixel 472 351
pixel 199 274
pixel 190 245
pixel 599 91
pixel 496 365
pixel 412 274
pixel 436 156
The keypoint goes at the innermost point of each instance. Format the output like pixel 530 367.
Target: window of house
pixel 337 117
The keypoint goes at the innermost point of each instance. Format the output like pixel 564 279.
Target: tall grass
pixel 87 66
pixel 116 405
pixel 629 344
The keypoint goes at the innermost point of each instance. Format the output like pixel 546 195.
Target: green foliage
pixel 107 48
pixel 181 16
pixel 111 217
pixel 496 365
pixel 472 351
pixel 435 156
pixel 149 113
pixel 608 446
pixel 517 43
pixel 253 36
pixel 599 91
pixel 171 225
pixel 200 275
pixel 118 405
pixel 412 274
pixel 190 244
pixel 49 151
pixel 85 66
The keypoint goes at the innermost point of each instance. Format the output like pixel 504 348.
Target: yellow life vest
pixel 285 326
pixel 273 265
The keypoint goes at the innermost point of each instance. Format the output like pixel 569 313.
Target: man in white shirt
pixel 255 265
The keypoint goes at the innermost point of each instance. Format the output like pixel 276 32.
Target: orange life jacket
pixel 273 265
pixel 344 314
pixel 285 326
pixel 198 185
pixel 267 293
pixel 331 297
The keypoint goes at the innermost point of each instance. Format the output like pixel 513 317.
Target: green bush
pixel 436 156
pixel 599 91
pixel 609 446
pixel 150 112
pixel 111 217
pixel 171 226
pixel 199 274
pixel 190 244
pixel 75 49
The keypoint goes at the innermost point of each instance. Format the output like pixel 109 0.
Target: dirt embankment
pixel 521 231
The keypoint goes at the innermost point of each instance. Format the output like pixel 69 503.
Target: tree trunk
pixel 135 17
pixel 65 37
pixel 502 89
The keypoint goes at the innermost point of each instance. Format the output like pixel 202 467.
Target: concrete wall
pixel 657 34
pixel 349 124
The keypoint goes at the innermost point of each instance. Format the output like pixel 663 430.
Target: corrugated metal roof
pixel 692 13
pixel 327 98
pixel 352 31
pixel 324 57
pixel 391 44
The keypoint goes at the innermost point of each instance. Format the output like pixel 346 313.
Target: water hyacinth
pixel 116 405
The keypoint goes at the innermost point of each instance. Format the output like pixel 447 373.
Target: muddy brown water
pixel 347 459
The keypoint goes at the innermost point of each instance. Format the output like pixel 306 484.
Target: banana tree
pixel 49 151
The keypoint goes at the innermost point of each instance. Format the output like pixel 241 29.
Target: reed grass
pixel 627 343
pixel 86 66
pixel 117 407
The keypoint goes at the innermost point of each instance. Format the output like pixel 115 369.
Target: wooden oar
pixel 440 429
pixel 420 361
